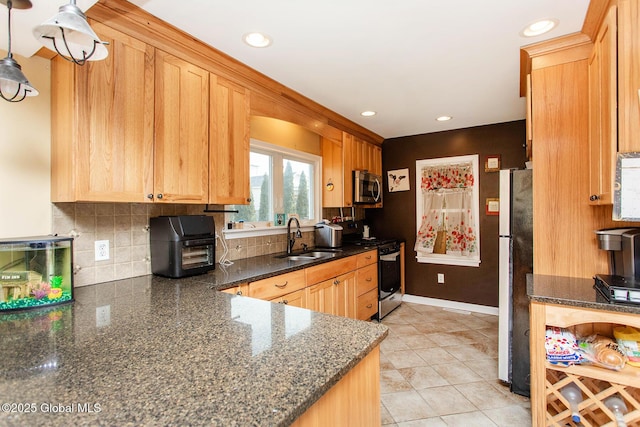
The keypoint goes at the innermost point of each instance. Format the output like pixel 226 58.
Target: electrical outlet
pixel 103 316
pixel 102 250
pixel 440 277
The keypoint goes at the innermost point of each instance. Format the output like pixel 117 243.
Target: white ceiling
pixel 408 60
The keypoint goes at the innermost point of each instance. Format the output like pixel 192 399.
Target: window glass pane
pixel 298 188
pixel 261 183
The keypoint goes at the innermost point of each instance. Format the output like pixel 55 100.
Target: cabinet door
pixel 629 75
pixel 344 303
pixel 181 166
pixel 349 164
pixel 321 297
pixel 102 123
pixel 332 170
pixel 603 137
pixel 228 142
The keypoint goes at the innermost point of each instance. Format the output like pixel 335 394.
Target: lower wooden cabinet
pixel 367 304
pixel 295 299
pixel 334 296
pixel 337 287
pixel 237 290
pixel 277 286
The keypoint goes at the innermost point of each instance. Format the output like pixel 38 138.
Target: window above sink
pixel 283 182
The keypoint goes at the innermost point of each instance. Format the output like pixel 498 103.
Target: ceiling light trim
pixel 257 39
pixel 539 27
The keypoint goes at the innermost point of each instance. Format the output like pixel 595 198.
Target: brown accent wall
pixel 397 219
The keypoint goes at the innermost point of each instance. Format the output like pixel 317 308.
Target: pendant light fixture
pixel 14 86
pixel 68 33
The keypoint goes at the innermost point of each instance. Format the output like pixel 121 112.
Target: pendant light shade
pixel 14 86
pixel 68 33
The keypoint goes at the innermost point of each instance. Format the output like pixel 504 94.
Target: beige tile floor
pixel 439 368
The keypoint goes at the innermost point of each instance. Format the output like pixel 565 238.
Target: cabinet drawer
pixel 276 286
pixel 367 305
pixel 325 271
pixel 367 279
pixel 367 258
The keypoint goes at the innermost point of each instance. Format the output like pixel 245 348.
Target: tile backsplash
pixel 125 226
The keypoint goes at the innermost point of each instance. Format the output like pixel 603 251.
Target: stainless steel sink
pixel 308 256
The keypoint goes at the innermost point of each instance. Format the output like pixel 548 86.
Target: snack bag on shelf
pixel 628 339
pixel 562 347
pixel 603 351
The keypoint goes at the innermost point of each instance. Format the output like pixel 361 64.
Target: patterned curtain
pixel 448 211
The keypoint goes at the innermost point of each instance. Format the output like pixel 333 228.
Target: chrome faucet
pixel 291 240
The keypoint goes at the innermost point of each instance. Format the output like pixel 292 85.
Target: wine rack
pixel 595 390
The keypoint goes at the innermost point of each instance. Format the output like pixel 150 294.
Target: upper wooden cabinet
pixel 102 118
pixel 628 75
pixel 181 168
pixel 358 154
pixel 603 136
pixel 228 142
pixel 332 174
pixel 131 128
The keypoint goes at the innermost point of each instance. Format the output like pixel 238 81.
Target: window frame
pixel 449 259
pixel 263 228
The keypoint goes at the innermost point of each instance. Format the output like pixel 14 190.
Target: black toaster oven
pixel 182 245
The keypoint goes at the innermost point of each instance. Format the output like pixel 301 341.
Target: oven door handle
pixel 390 257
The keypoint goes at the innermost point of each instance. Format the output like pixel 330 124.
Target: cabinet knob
pixel 150 196
pixel 594 197
pixel 284 301
pixel 249 199
pixel 370 305
pixel 159 196
pixel 369 279
pixel 336 282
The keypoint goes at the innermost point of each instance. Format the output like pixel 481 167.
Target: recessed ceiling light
pixel 538 27
pixel 257 39
pixel 368 113
pixel 443 118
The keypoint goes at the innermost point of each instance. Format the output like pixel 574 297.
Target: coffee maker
pixel 622 284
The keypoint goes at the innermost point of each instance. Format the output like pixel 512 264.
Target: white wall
pixel 25 156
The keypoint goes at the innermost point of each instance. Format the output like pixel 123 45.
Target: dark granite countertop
pixel 261 267
pixel 572 291
pixel 156 351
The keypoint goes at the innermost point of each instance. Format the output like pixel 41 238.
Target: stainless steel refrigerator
pixel 516 261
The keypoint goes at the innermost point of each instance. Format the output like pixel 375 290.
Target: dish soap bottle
pixel 617 406
pixel 573 394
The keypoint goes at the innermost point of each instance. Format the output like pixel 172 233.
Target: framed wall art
pixel 492 163
pixel 398 180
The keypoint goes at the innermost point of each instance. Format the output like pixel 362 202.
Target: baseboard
pixel 454 305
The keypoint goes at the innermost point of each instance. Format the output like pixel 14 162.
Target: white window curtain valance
pixel 447 229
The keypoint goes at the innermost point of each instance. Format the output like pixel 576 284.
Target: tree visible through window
pixel 282 181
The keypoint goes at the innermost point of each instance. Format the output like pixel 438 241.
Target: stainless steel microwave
pixel 367 187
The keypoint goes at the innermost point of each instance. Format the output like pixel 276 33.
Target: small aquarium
pixel 35 272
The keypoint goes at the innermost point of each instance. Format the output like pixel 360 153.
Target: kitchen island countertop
pixel 156 351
